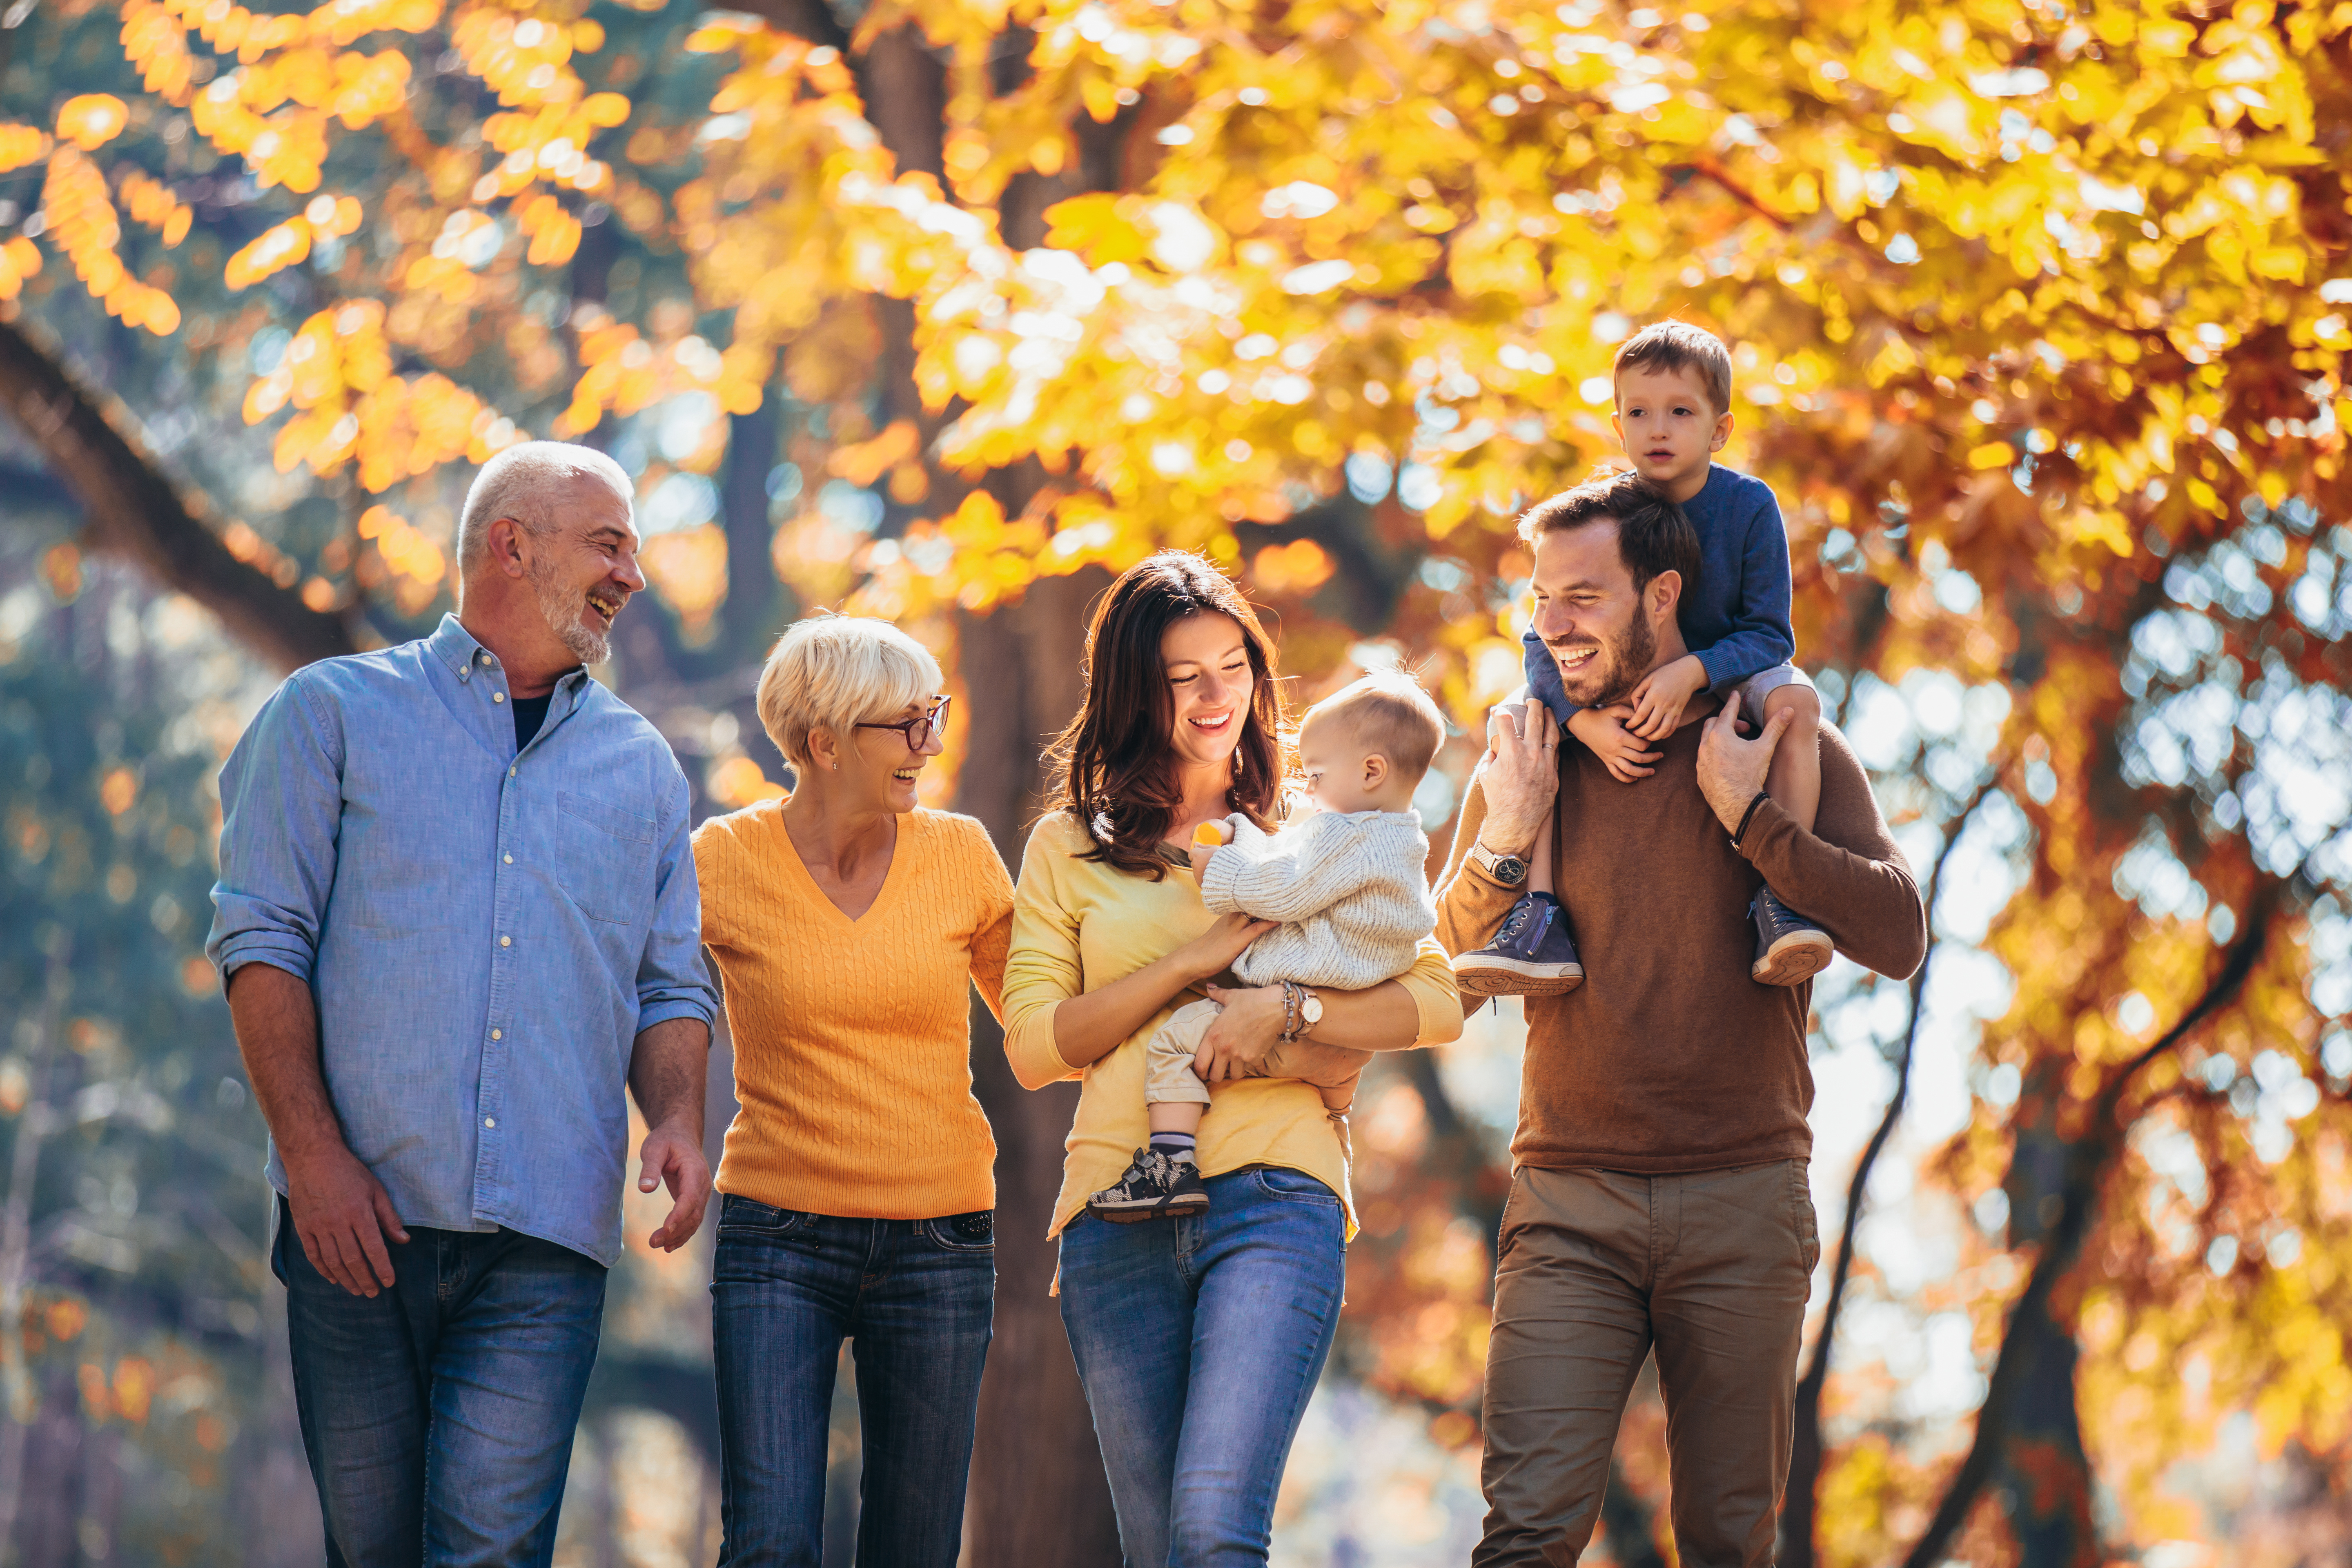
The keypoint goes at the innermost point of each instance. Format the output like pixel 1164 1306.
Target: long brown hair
pixel 1117 756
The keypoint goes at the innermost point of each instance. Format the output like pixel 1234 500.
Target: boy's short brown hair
pixel 1678 345
pixel 1390 714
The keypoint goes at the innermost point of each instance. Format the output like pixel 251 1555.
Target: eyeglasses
pixel 919 731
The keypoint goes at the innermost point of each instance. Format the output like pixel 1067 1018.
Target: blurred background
pixel 946 311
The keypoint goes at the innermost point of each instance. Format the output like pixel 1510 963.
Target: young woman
pixel 1199 1339
pixel 850 927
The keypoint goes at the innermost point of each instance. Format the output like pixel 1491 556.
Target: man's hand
pixel 1659 701
pixel 1730 770
pixel 1520 773
pixel 673 1156
pixel 1604 734
pixel 1242 1036
pixel 342 1214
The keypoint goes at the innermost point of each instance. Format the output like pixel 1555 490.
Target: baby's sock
pixel 1175 1145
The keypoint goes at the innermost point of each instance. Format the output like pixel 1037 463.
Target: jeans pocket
pixel 753 1218
pixel 1288 1186
pixel 1801 1215
pixel 973 1232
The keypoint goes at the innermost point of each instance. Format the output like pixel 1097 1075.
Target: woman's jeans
pixel 914 1298
pixel 437 1415
pixel 1199 1341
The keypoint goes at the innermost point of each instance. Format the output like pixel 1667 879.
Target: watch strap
pixel 1486 858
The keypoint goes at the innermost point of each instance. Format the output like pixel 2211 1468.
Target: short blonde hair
pixel 832 671
pixel 1387 712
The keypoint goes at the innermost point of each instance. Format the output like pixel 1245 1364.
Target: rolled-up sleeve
pixel 1436 1000
pixel 1042 968
pixel 281 814
pixel 671 980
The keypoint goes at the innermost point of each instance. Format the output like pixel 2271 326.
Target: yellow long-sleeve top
pixel 852 1039
pixel 1079 925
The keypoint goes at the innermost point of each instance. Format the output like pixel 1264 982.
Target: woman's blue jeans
pixel 1199 1341
pixel 915 1298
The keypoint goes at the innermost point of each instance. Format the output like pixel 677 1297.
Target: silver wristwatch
pixel 1508 869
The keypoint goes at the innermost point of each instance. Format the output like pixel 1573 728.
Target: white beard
pixel 567 617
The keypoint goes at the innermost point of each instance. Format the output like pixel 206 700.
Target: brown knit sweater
pixel 1669 1058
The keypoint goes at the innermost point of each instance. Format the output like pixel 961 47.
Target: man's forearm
pixel 669 1073
pixel 277 1024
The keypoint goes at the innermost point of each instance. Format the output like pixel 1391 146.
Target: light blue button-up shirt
pixel 486 931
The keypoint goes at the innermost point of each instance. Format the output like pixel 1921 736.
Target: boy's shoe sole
pixel 1498 976
pixel 1794 959
pixel 1173 1206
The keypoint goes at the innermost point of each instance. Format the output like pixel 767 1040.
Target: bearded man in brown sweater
pixel 1660 1199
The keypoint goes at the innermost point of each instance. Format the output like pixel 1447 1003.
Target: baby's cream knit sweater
pixel 1350 888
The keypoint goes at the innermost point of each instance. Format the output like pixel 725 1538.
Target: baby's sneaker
pixel 1531 955
pixel 1157 1182
pixel 1790 949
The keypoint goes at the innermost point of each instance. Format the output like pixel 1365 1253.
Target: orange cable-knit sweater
pixel 853 1040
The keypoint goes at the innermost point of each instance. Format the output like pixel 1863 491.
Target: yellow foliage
pixel 92 120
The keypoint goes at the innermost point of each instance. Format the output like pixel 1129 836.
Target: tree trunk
pixel 1038 1497
pixel 133 511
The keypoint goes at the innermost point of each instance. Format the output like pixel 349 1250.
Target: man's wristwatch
pixel 1508 869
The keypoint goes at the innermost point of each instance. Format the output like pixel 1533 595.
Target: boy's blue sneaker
pixel 1790 949
pixel 1531 955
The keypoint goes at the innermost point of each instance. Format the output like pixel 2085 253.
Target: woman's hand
pixel 1242 1036
pixel 1213 951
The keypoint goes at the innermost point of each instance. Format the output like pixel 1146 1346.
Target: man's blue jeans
pixel 915 1298
pixel 1199 1341
pixel 437 1415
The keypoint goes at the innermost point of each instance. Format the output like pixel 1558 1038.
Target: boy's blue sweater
pixel 1736 616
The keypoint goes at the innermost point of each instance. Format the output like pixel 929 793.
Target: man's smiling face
pixel 585 568
pixel 1588 614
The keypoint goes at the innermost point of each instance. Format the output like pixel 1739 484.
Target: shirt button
pixel 511 773
pixel 485 658
pixel 506 941
pixel 489 1122
pixel 498 1034
pixel 510 860
pixel 498 697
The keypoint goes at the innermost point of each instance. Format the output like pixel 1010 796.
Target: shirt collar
pixel 458 648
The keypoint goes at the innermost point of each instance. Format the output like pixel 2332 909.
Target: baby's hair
pixel 1390 713
pixel 1678 345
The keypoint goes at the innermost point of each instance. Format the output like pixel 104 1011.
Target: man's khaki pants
pixel 1596 1268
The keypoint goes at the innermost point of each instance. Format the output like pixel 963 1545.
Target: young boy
pixel 1349 883
pixel 1674 413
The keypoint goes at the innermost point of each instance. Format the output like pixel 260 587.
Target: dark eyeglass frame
pixel 929 724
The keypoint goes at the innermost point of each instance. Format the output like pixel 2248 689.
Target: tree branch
pixel 2086 1166
pixel 1799 1511
pixel 133 511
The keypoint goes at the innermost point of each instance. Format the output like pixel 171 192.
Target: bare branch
pixel 131 510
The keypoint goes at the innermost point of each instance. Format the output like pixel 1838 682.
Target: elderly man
pixel 1660 1200
pixel 456 913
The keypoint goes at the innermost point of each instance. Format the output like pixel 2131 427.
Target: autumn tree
pixel 942 309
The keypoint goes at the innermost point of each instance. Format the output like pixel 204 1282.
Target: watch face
pixel 1312 1009
pixel 1511 870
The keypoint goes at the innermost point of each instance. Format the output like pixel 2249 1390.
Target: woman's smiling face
pixel 1209 681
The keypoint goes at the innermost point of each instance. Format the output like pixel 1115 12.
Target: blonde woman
pixel 850 925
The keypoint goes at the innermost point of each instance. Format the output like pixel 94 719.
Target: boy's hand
pixel 1201 854
pixel 1603 732
pixel 1659 701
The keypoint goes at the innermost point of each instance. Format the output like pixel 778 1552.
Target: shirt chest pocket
pixel 604 858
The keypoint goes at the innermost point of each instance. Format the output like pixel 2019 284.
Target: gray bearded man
pixel 1660 1199
pixel 457 915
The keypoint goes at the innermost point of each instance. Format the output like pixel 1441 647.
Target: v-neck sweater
pixel 852 1039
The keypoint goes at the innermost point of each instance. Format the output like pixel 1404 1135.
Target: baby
pixel 1349 884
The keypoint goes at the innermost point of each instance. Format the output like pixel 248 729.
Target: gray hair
pixel 515 483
